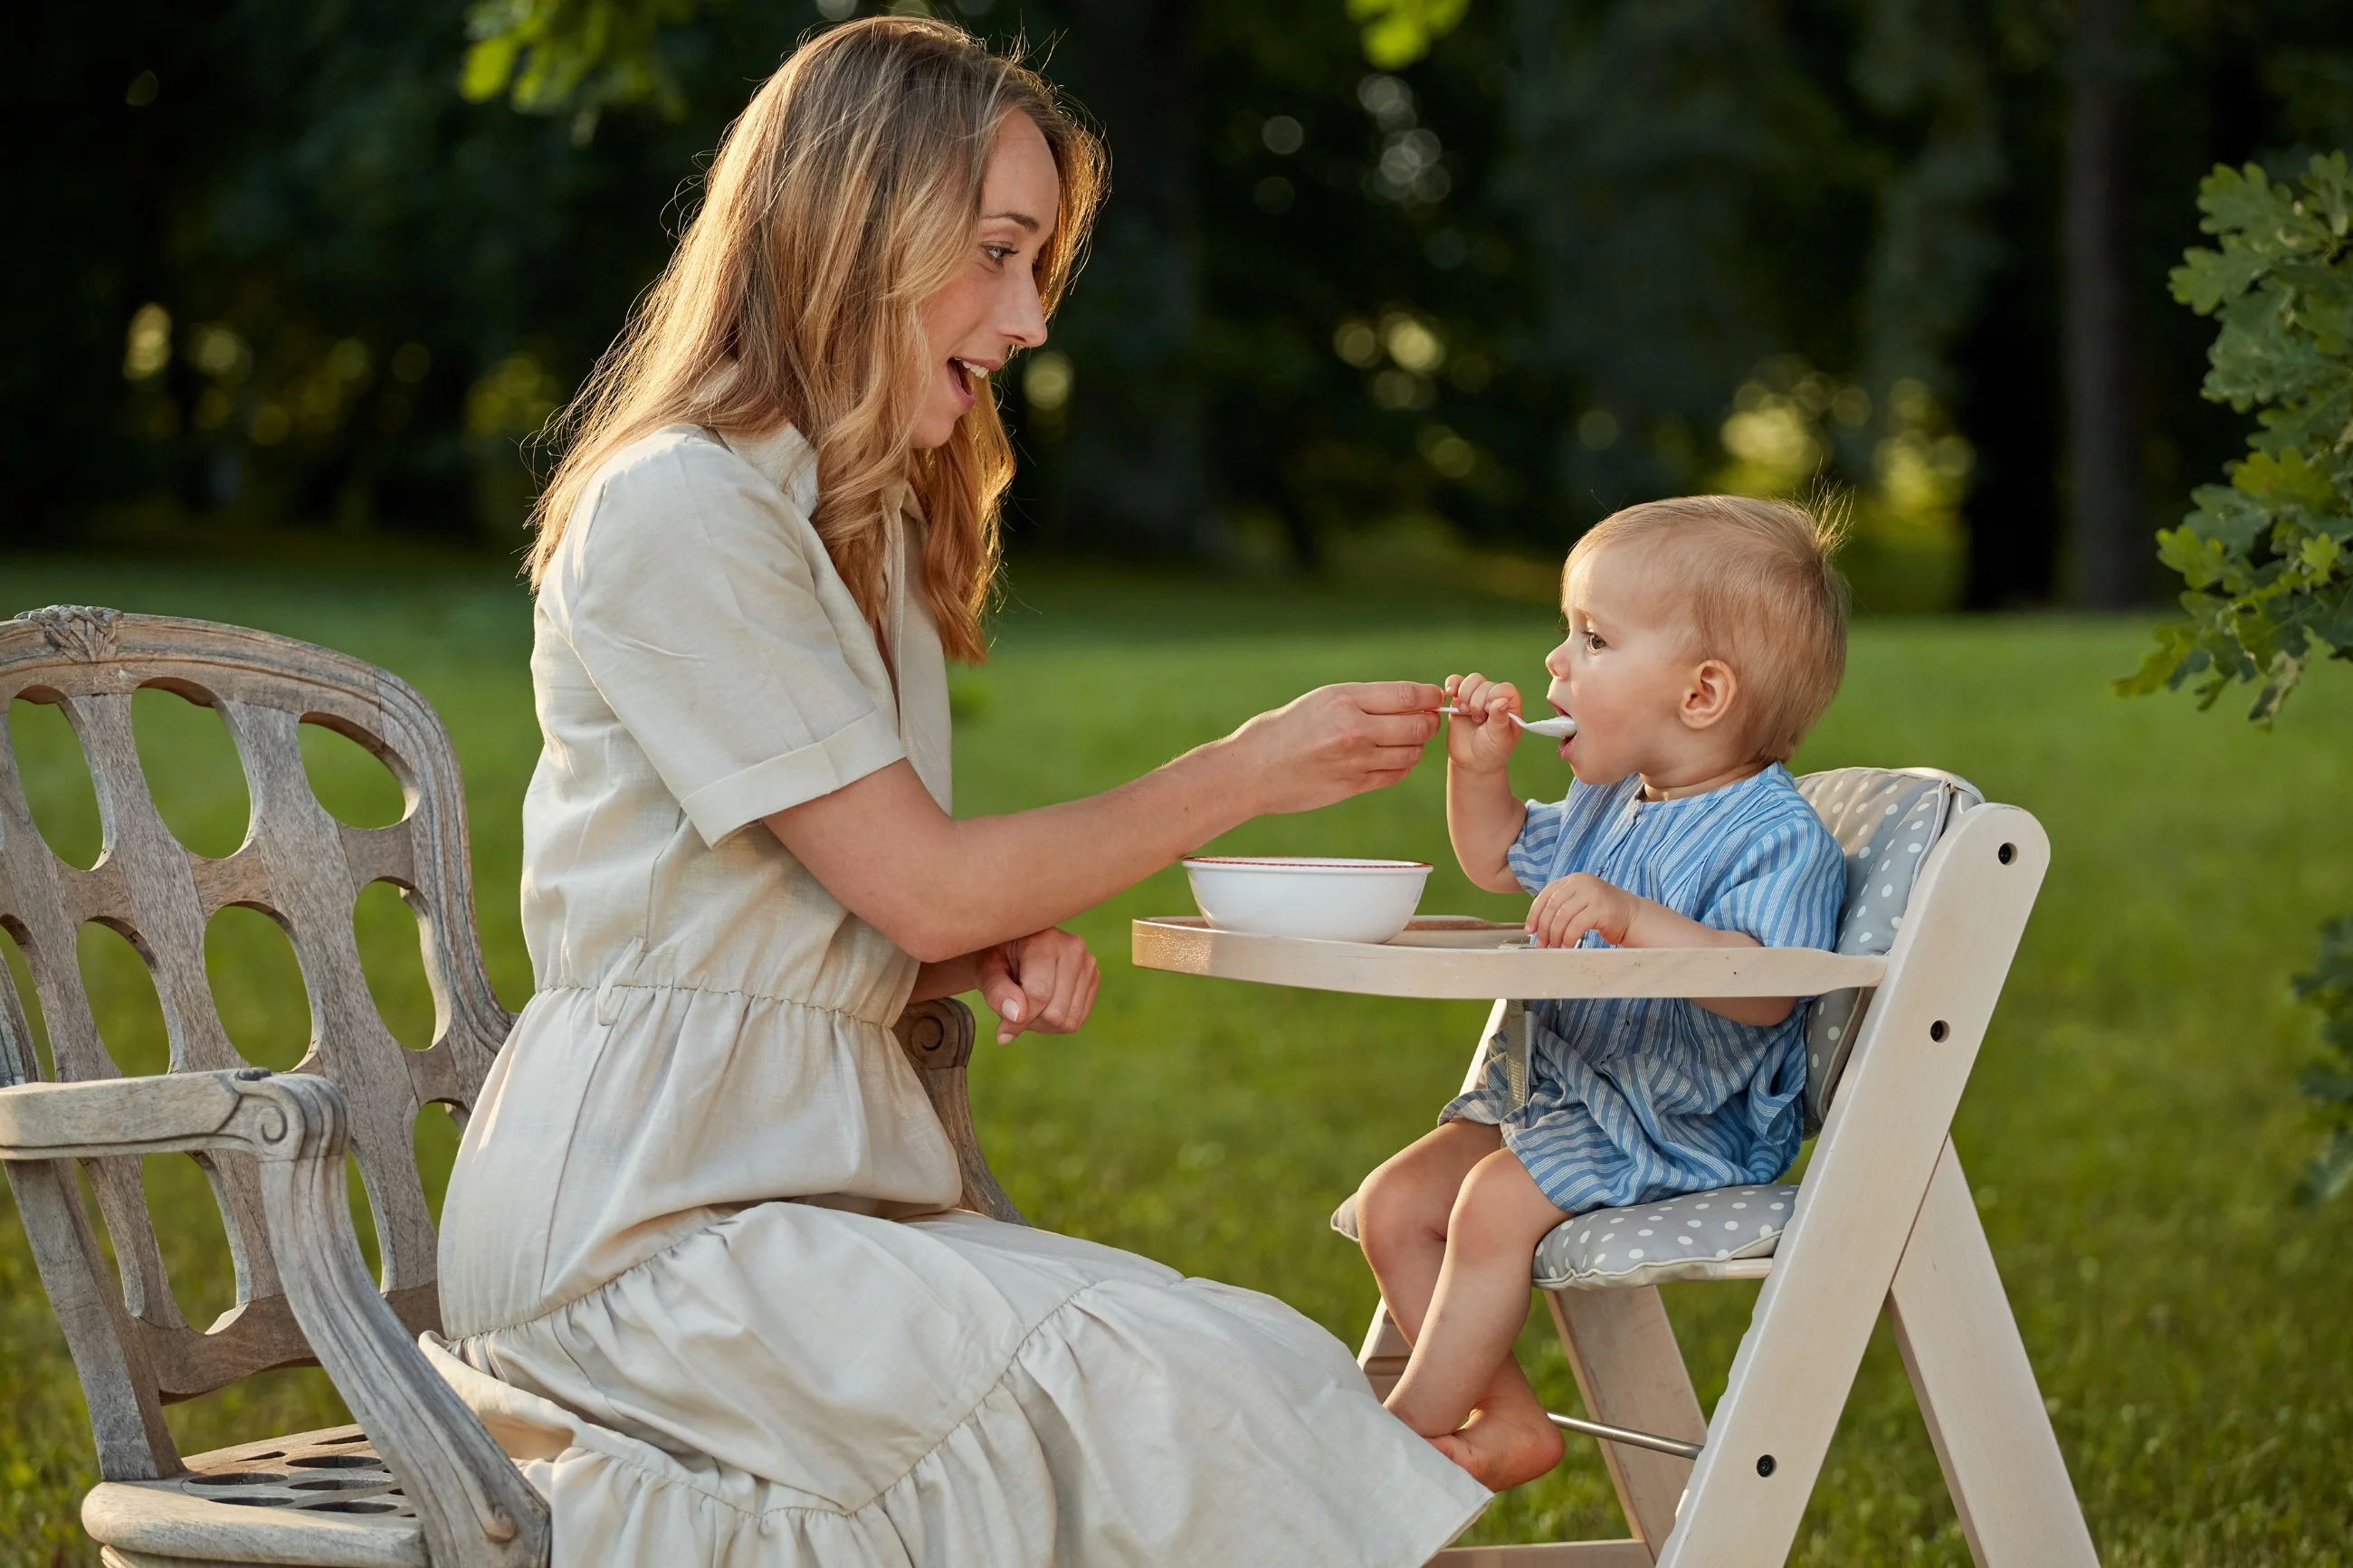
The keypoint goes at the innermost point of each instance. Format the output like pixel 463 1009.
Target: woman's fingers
pixel 1003 992
pixel 1400 729
pixel 1395 696
pixel 1073 990
pixel 1057 978
pixel 1046 977
pixel 1040 983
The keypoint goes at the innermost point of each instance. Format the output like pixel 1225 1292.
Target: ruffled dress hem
pixel 1074 1454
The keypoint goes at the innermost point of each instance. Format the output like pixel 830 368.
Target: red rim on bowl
pixel 1305 863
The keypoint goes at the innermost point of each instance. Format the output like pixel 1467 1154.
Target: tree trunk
pixel 2008 366
pixel 1132 462
pixel 2113 544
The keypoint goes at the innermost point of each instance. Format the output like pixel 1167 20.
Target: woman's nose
pixel 1024 325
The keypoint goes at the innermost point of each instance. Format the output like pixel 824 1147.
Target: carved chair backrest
pixel 304 869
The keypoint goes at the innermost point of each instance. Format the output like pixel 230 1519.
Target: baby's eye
pixel 1593 642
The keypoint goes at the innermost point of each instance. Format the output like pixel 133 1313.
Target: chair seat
pixel 320 1498
pixel 1727 1233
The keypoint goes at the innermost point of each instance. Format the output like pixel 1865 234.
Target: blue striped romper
pixel 1638 1099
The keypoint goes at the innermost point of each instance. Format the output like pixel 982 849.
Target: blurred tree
pixel 1134 462
pixel 1480 266
pixel 1399 32
pixel 2103 425
pixel 1696 203
pixel 107 126
pixel 358 292
pixel 575 56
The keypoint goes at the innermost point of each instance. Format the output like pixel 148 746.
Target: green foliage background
pixel 2268 559
pixel 2131 1128
pixel 1375 271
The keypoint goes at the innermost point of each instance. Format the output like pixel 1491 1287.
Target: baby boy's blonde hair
pixel 1756 579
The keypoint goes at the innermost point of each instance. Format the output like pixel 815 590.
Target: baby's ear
pixel 1709 695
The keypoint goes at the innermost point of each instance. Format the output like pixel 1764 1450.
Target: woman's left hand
pixel 1045 980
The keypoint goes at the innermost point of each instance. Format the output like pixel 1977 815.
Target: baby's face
pixel 1625 672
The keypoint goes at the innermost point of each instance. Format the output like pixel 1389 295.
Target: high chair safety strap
pixel 1515 1042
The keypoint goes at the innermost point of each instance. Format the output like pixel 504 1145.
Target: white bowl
pixel 1310 896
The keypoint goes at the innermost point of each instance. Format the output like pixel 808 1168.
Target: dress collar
pixel 785 456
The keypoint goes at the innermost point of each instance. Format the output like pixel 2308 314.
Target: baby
pixel 1705 636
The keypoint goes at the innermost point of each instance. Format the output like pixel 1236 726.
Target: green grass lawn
pixel 2133 1128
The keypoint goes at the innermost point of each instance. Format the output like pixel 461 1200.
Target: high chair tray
pixel 1458 956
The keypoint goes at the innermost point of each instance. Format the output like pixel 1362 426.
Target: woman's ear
pixel 1709 695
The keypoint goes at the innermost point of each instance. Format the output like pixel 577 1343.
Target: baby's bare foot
pixel 1501 1451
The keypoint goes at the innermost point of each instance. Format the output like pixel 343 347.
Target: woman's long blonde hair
pixel 842 198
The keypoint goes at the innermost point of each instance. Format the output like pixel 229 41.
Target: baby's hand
pixel 1481 735
pixel 1569 908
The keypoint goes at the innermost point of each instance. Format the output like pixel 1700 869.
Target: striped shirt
pixel 1638 1099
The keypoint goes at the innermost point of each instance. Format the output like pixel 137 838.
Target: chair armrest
pixel 177 1113
pixel 473 1507
pixel 937 1038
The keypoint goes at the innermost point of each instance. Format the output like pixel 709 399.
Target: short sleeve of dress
pixel 1784 885
pixel 693 600
pixel 1535 853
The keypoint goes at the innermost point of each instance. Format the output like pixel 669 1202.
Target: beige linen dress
pixel 700 1271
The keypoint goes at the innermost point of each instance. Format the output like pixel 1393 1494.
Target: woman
pixel 699 1266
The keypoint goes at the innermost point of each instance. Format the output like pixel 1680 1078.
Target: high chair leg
pixel 1384 1352
pixel 1865 1188
pixel 1969 1367
pixel 1630 1373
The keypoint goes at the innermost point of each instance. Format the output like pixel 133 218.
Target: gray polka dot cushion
pixel 1885 819
pixel 1678 1238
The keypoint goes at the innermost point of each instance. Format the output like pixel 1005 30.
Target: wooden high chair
pixel 1939 886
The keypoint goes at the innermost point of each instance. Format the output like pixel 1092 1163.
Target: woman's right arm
pixel 941 887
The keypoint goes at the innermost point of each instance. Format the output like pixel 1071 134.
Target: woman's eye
pixel 997 253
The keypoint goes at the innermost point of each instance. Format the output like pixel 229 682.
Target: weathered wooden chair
pixel 1941 884
pixel 417 1482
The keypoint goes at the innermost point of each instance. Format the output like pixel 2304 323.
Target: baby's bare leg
pixel 1462 1356
pixel 1402 1209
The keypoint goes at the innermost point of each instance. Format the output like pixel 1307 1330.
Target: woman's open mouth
pixel 968 376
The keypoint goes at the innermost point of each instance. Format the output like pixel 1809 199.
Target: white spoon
pixel 1560 729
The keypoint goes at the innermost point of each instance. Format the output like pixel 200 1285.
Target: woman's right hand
pixel 1480 734
pixel 1335 741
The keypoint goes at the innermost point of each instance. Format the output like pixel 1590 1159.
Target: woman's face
pixel 991 307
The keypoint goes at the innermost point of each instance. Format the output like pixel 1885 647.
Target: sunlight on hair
pixel 844 197
pixel 1756 580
